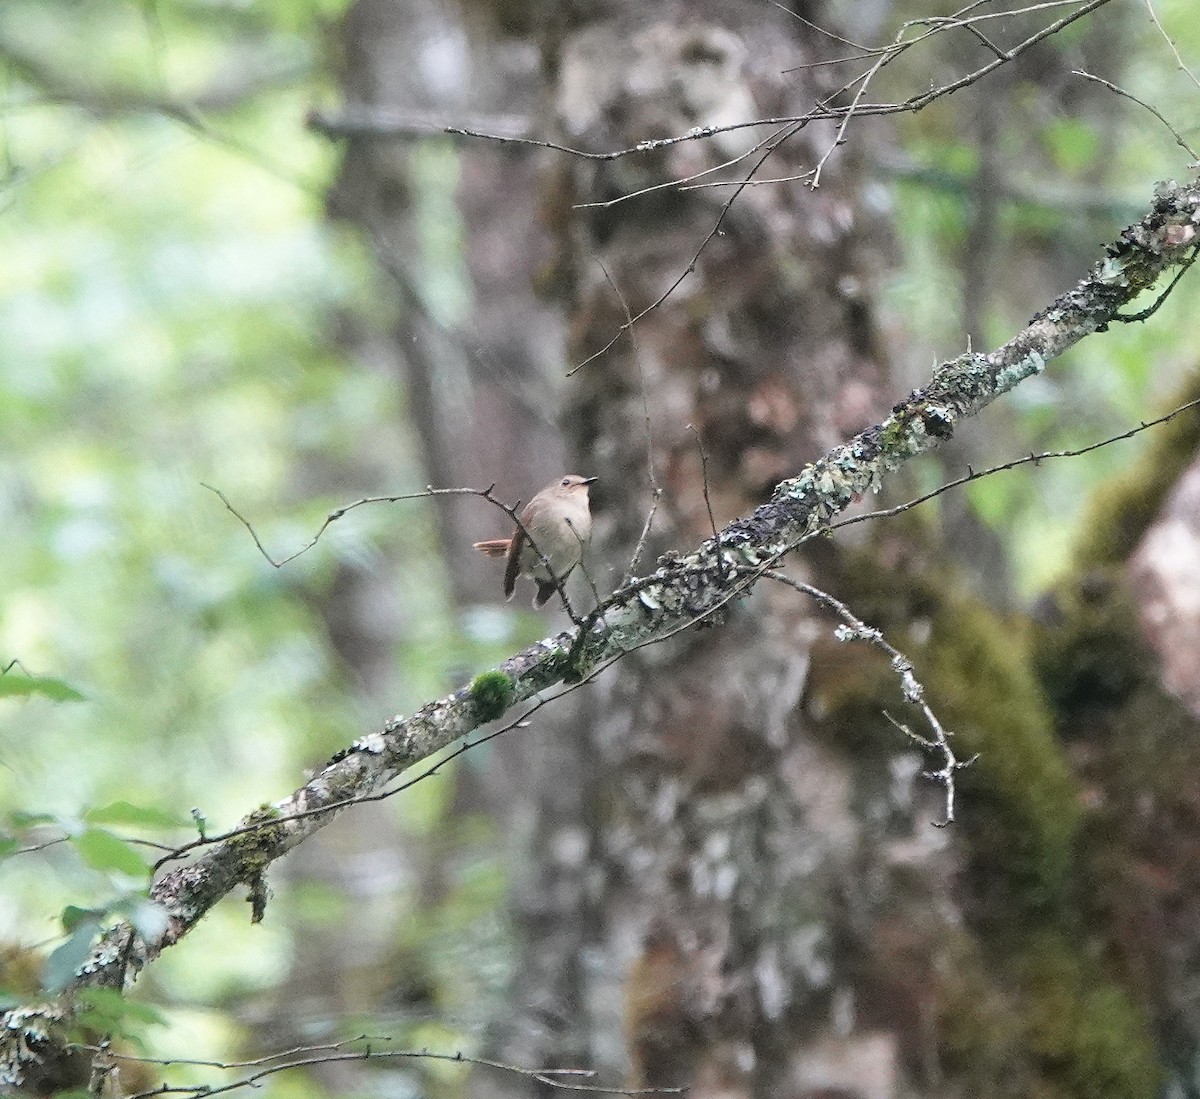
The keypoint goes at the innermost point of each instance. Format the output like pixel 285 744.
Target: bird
pixel 558 521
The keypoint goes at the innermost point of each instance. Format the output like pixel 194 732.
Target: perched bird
pixel 558 520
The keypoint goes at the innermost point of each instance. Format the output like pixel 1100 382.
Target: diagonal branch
pixel 684 590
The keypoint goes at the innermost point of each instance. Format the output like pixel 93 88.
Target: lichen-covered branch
pixel 681 592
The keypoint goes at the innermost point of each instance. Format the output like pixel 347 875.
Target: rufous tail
pixel 493 547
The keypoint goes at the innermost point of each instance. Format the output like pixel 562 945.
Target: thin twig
pixel 774 144
pixel 358 799
pixel 823 110
pixel 310 1056
pixel 487 494
pixel 854 629
pixel 1028 459
pixel 655 489
pixel 1174 48
pixel 819 29
pixel 392 125
pixel 1141 103
pixel 712 522
pixel 339 512
pixel 1150 310
pixel 684 184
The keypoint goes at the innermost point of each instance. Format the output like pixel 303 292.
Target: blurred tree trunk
pixel 482 375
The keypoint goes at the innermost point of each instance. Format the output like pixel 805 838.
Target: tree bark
pixel 695 845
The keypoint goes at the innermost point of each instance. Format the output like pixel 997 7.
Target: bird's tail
pixel 493 547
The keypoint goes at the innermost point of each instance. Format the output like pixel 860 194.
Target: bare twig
pixel 1188 231
pixel 917 103
pixel 488 494
pixel 1028 459
pixel 819 29
pixel 133 841
pixel 712 522
pixel 1170 42
pixel 825 110
pixel 1117 89
pixel 984 40
pixel 300 1057
pixel 770 148
pixel 686 183
pixel 854 629
pixel 655 489
pixel 372 123
pixel 339 512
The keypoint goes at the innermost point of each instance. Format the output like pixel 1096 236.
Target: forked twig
pixel 854 629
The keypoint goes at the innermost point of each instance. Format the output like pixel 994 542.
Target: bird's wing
pixel 514 561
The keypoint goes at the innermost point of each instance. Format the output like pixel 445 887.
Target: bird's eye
pixel 566 480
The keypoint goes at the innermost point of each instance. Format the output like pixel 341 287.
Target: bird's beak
pixel 590 480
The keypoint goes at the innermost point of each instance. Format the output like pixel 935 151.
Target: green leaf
pixel 139 816
pixel 110 1007
pixel 66 959
pixel 8 844
pixel 73 916
pixel 14 685
pixel 103 851
pixel 21 818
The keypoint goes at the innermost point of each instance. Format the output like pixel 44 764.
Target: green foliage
pixel 106 1011
pixel 13 685
pixel 102 850
pixel 136 816
pixel 84 925
pixel 74 917
pixel 176 310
